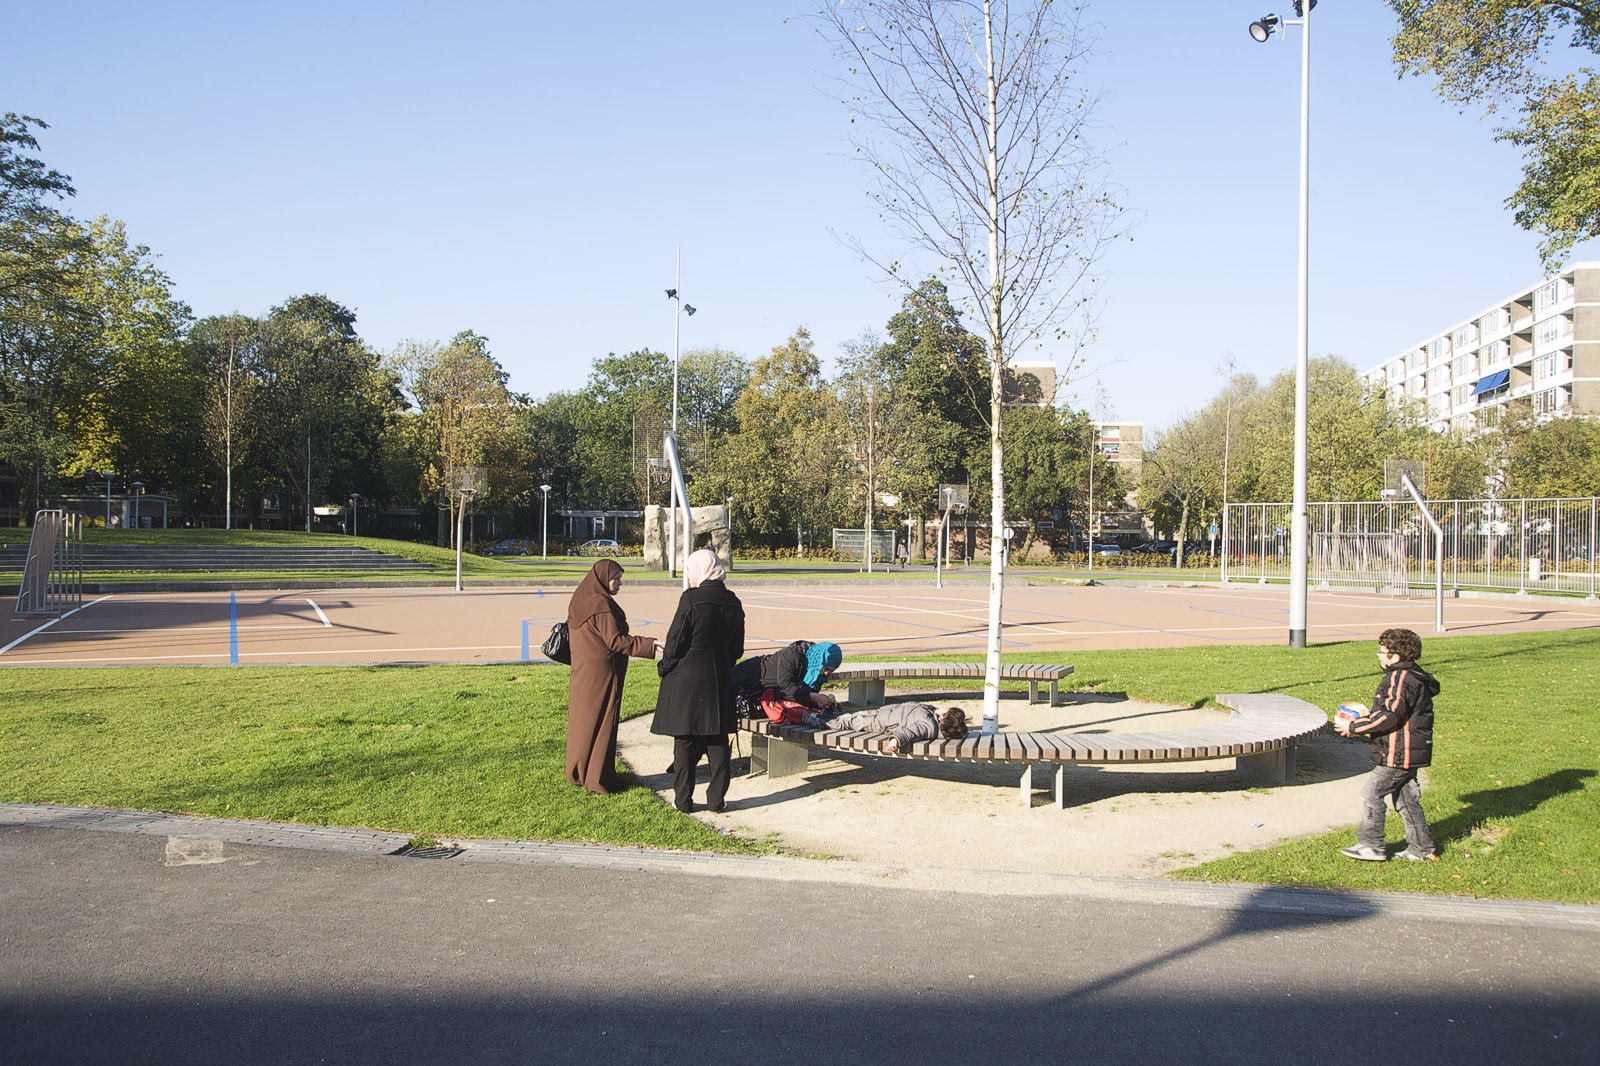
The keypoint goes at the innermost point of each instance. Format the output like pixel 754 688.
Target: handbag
pixel 556 646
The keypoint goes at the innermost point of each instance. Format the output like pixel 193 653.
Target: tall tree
pixel 977 129
pixel 325 401
pixel 1500 54
pixel 467 420
pixel 222 349
pixel 790 450
pixel 1544 457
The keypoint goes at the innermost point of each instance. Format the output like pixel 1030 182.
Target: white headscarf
pixel 704 566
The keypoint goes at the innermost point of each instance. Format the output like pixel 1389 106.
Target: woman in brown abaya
pixel 598 632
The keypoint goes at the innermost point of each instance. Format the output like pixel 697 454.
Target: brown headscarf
pixel 593 594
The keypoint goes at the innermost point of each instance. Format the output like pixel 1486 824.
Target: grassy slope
pixel 477 751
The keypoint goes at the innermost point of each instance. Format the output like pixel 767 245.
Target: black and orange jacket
pixel 1400 723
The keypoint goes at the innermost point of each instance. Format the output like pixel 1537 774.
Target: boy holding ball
pixel 1400 724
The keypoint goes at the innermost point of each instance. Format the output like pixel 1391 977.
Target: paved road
pixel 130 948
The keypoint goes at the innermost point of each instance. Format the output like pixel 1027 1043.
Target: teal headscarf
pixel 820 657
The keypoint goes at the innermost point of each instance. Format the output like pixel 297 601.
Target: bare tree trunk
pixel 997 358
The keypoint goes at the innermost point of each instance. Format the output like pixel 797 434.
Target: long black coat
pixel 706 639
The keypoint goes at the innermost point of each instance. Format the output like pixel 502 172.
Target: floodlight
pixel 1264 27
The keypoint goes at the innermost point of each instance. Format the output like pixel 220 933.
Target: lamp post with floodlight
pixel 1262 30
pixel 679 310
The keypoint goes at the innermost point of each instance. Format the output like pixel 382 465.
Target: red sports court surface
pixel 486 625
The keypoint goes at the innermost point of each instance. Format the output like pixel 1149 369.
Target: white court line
pixel 320 615
pixel 289 655
pixel 53 621
pixel 175 629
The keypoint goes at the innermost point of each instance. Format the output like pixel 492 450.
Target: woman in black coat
pixel 695 705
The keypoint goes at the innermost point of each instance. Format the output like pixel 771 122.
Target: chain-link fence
pixel 1497 544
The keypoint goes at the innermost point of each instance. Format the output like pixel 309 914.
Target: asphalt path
pixel 130 949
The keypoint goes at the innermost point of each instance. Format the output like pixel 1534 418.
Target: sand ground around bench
pixel 1122 820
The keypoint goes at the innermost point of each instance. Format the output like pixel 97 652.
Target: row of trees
pixel 103 369
pixel 1239 448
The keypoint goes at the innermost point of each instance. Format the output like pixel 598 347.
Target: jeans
pixel 1402 789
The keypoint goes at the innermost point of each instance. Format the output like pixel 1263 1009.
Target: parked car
pixel 596 548
pixel 1107 549
pixel 513 546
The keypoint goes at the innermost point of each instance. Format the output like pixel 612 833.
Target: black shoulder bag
pixel 556 645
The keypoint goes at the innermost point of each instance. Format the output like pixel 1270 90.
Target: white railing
pixel 1524 545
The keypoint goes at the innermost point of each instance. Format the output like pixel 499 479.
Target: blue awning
pixel 1492 382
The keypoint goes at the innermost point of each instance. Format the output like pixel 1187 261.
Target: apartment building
pixel 1542 344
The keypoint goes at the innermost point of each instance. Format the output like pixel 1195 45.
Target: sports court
pixel 397 625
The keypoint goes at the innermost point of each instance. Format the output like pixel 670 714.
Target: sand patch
pixel 1125 820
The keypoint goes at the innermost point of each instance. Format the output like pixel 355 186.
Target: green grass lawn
pixel 476 751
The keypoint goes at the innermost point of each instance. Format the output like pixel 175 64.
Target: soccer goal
pixel 52 576
pixel 1375 561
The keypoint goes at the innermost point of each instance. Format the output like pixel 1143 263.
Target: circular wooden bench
pixel 1260 737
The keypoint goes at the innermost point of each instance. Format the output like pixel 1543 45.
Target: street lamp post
pixel 355 514
pixel 138 494
pixel 544 523
pixel 679 310
pixel 1262 30
pixel 729 516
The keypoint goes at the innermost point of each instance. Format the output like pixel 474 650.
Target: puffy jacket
pixel 909 722
pixel 1400 723
pixel 783 670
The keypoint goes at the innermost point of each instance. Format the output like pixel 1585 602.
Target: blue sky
pixel 527 170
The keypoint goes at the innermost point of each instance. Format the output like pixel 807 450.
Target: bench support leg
pixel 1060 784
pixel 1055 693
pixel 867 693
pixel 1269 767
pixel 778 757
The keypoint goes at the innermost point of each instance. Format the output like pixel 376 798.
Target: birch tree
pixel 976 129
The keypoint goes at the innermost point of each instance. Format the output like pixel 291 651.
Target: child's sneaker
pixel 1419 856
pixel 1364 853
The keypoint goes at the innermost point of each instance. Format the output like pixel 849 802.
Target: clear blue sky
pixel 526 170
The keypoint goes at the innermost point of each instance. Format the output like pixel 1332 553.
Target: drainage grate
pixel 438 851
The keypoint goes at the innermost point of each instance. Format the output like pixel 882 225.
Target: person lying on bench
pixel 908 722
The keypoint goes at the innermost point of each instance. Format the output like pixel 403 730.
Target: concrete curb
pixel 1148 891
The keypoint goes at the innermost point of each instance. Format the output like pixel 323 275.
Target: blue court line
pixel 233 629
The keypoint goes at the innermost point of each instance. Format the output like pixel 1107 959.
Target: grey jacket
pixel 908 722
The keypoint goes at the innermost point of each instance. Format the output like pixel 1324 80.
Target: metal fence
pixel 1525 545
pixel 847 544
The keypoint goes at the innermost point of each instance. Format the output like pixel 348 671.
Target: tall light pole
pixel 729 515
pixel 1299 526
pixel 355 514
pixel 679 309
pixel 138 494
pixel 544 524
